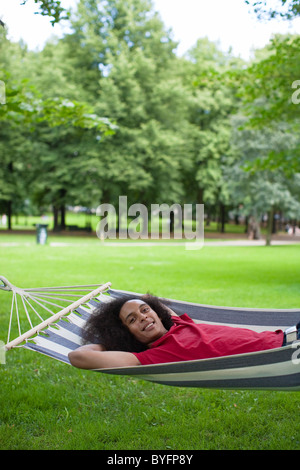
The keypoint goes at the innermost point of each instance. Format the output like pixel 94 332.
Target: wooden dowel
pixel 57 316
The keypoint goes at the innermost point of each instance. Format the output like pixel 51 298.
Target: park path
pixel 210 240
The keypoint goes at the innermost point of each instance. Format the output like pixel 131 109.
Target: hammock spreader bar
pixel 275 369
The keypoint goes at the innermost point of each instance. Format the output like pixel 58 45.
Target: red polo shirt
pixel 187 341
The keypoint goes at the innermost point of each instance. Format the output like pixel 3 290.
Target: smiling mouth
pixel 147 327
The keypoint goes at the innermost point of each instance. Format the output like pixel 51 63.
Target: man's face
pixel 142 321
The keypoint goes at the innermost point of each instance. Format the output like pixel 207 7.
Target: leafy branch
pixel 51 8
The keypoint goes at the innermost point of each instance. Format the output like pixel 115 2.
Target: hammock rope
pixel 61 332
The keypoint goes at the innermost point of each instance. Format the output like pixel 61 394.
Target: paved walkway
pixel 210 240
pixel 250 242
pixel 192 244
pixel 209 243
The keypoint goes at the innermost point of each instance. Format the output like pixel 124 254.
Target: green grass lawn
pixel 49 405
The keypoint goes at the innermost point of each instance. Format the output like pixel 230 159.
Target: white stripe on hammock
pixel 251 372
pixel 50 346
pixel 65 334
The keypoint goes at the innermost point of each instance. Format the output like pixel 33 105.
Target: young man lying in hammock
pixel 144 331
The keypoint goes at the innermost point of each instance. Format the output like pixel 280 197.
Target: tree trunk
pixel 270 226
pixel 55 219
pixel 9 214
pixel 222 217
pixel 63 217
pixel 171 222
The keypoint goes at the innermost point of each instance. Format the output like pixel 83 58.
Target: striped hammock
pixel 61 332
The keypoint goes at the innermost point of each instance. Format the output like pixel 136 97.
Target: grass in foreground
pixel 48 405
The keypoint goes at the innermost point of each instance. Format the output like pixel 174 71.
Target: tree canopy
pixel 110 109
pixel 285 9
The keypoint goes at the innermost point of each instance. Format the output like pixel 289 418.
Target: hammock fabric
pixel 275 369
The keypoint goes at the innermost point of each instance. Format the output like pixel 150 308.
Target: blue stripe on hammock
pixel 57 339
pixel 283 382
pixel 272 356
pixel 238 316
pixel 47 352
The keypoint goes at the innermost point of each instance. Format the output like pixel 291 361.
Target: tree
pixel 270 99
pixel 42 130
pixel 14 147
pixel 127 44
pixel 51 8
pixel 208 148
pixel 288 9
pixel 261 192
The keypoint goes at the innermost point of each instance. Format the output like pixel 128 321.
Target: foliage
pixel 30 155
pixel 270 100
pixel 51 8
pixel 111 110
pixel 263 189
pixel 287 9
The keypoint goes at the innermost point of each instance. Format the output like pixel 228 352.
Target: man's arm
pixel 94 356
pixel 171 311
